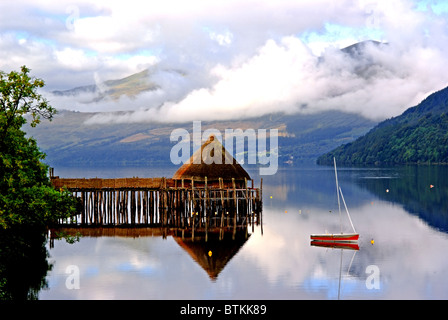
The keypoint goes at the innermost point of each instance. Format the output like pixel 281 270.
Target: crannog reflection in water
pixel 212 251
pixel 213 254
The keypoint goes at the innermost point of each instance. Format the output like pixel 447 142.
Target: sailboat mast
pixel 337 192
pixel 346 209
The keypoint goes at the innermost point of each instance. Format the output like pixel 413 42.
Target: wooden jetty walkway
pixel 210 191
pixel 180 203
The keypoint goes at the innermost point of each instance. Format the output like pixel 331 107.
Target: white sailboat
pixel 338 237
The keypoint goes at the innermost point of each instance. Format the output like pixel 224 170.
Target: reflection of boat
pixel 334 244
pixel 338 236
pixel 346 245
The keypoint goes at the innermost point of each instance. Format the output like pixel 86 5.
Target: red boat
pixel 338 237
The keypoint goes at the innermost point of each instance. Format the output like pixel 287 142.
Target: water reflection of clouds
pixel 406 250
pixel 330 286
pixel 130 267
pixel 280 264
pixel 103 272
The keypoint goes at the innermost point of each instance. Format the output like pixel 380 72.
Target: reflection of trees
pixel 422 190
pixel 23 264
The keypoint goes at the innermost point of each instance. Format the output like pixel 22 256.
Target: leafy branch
pixel 19 96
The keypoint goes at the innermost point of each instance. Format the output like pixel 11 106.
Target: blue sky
pixel 339 36
pixel 438 7
pixel 239 57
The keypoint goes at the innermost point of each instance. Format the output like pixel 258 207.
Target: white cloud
pixel 223 39
pixel 254 56
pixel 74 59
pixel 285 76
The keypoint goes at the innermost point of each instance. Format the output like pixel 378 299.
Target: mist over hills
pixel 76 138
pixel 283 77
pixel 130 86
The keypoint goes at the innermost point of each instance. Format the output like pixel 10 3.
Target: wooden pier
pixel 209 192
pixel 194 204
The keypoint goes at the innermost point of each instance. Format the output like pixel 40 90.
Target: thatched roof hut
pixel 205 163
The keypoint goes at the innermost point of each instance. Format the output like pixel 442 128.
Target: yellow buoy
pixel 372 241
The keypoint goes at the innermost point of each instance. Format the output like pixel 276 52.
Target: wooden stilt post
pixel 145 208
pixel 126 206
pixel 133 207
pixel 221 230
pixel 117 206
pixel 206 197
pixel 151 207
pixel 192 195
pixel 192 226
pixel 139 206
pixel 83 207
pixel 235 207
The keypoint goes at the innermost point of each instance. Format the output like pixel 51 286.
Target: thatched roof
pixel 205 163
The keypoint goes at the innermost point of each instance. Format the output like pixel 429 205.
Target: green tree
pixel 18 97
pixel 27 198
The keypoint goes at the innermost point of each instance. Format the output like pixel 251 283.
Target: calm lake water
pixel 401 214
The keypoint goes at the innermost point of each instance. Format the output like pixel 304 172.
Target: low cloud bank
pixel 375 80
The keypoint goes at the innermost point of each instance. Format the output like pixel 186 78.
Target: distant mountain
pixel 419 135
pixel 130 86
pixel 359 48
pixel 142 81
pixel 68 141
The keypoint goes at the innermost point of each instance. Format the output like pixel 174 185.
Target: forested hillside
pixel 419 135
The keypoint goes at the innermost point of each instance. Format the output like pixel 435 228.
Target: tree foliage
pixel 27 198
pixel 18 97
